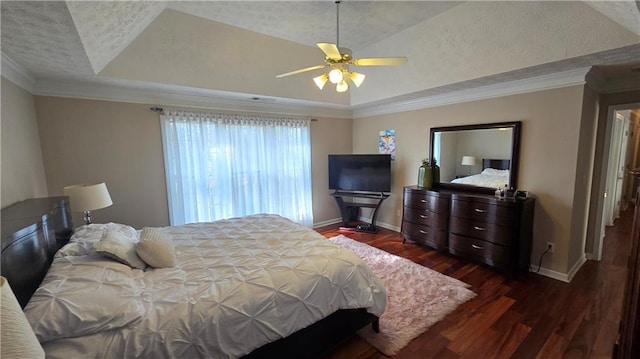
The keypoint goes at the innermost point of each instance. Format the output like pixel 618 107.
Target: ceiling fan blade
pixel 301 71
pixel 380 61
pixel 331 50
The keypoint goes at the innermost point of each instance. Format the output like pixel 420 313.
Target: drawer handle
pixel 480 210
pixel 423 232
pixel 476 247
pixel 479 228
pixel 423 200
pixel 423 216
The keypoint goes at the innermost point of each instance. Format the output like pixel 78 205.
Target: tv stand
pixel 349 209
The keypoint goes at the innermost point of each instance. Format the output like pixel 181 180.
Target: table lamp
pixel 88 197
pixel 468 161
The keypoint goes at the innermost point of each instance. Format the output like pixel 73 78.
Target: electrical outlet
pixel 550 247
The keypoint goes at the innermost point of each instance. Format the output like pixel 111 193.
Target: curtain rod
pixel 160 109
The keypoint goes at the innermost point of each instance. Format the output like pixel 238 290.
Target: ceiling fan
pixel 338 60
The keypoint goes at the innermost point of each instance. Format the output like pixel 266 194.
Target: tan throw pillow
pixel 118 246
pixel 156 248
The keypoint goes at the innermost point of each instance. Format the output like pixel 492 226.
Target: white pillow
pixel 118 246
pixel 83 239
pixel 156 248
pixel 82 296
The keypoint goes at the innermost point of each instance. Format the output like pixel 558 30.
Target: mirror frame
pixel 515 154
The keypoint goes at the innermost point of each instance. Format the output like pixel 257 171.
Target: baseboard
pixel 553 274
pixel 327 222
pixel 388 226
pixel 576 267
pixel 565 277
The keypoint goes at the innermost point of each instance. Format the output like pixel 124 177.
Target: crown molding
pixel 16 73
pixel 108 89
pixel 539 83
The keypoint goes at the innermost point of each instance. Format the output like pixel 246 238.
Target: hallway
pixel 604 282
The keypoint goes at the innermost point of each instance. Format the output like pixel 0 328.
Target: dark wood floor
pixel 533 317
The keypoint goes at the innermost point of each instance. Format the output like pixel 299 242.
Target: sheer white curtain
pixel 220 166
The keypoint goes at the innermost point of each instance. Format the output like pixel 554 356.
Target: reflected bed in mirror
pixel 477 158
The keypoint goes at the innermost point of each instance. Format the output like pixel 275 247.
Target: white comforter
pixel 489 177
pixel 238 284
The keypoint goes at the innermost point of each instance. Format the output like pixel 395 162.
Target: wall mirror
pixel 477 158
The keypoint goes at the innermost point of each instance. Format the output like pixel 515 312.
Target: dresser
pixel 33 228
pixel 425 217
pixel 481 228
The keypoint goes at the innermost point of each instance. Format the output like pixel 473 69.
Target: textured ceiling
pixel 104 28
pixel 56 39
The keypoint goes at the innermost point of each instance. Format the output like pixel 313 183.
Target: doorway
pixel 623 125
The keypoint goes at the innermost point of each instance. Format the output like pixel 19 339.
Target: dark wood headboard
pixel 497 164
pixel 32 232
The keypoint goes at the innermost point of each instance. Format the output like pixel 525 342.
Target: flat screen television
pixel 360 173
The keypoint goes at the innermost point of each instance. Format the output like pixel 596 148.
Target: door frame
pixel 596 253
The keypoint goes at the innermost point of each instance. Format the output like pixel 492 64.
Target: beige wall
pixel 583 180
pixel 551 123
pixel 86 141
pixel 22 168
pixel 328 136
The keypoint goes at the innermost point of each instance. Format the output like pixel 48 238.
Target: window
pixel 220 166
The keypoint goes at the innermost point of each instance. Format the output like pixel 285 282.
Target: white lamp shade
pixel 321 80
pixel 342 86
pixel 357 78
pixel 468 161
pixel 17 337
pixel 88 197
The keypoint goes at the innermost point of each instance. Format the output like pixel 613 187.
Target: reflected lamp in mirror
pixel 88 197
pixel 468 161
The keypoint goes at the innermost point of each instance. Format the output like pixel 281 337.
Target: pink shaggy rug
pixel 417 297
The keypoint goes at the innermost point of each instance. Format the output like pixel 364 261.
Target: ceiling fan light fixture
pixel 337 61
pixel 342 86
pixel 356 78
pixel 321 80
pixel 335 76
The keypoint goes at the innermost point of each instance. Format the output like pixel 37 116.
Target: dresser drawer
pixel 479 229
pixel 422 200
pixel 479 251
pixel 425 235
pixel 482 210
pixel 427 218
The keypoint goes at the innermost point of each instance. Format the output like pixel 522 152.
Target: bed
pixel 256 286
pixel 495 174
